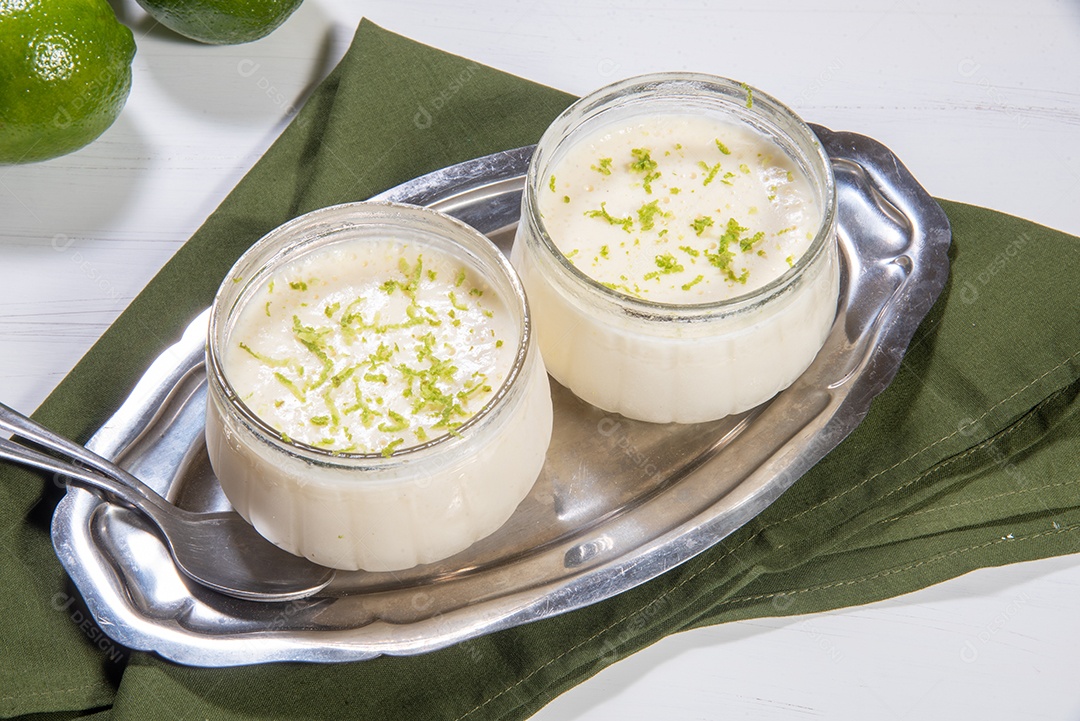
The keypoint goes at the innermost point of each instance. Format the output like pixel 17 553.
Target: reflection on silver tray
pixel 618 502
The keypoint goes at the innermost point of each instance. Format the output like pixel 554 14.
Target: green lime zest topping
pixel 647 214
pixel 273 362
pixel 644 163
pixel 291 386
pixel 700 223
pixel 389 448
pixel 382 354
pixel 551 183
pixel 313 340
pixel 790 260
pixel 367 415
pixel 619 287
pixel 472 389
pixel 747 244
pixel 455 302
pixel 603 166
pixel 732 232
pixel 691 284
pixel 604 251
pixel 710 171
pixel 566 199
pixel 723 148
pixel 744 168
pixel 749 96
pixel 692 252
pixel 298 285
pixel 627 223
pixel 412 275
pixel 666 264
pixel 460 278
pixel 400 423
pixel 722 260
pixel 320 420
pixel 335 414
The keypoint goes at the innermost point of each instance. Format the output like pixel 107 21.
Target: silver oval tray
pixel 618 502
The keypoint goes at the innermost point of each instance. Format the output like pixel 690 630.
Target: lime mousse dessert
pixel 678 246
pixel 376 399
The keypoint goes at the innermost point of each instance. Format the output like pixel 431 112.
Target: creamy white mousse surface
pixel 679 208
pixel 370 347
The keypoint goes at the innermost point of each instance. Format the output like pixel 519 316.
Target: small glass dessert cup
pixel 376 397
pixel 653 294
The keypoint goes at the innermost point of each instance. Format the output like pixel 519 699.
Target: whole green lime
pixel 221 22
pixel 65 73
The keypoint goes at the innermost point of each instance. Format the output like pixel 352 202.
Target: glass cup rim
pixel 368 213
pixel 561 129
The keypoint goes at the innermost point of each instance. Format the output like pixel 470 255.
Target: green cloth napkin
pixel 968 459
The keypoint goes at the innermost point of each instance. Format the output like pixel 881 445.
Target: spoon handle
pixel 16 423
pixel 12 451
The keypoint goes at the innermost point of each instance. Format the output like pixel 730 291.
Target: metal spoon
pixel 221 551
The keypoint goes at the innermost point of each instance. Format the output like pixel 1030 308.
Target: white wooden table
pixel 981 100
